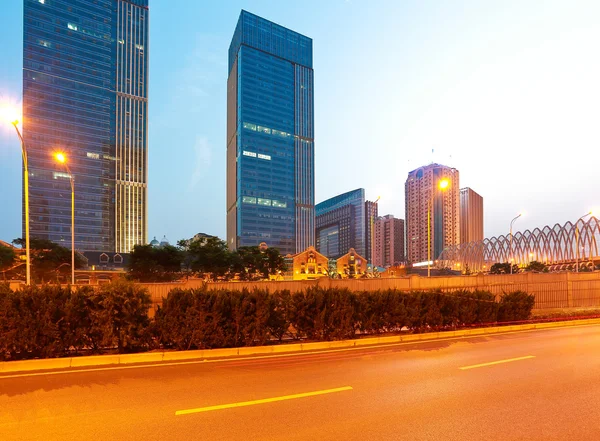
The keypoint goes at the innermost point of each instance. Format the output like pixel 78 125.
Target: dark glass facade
pixel 85 89
pixel 270 137
pixel 342 220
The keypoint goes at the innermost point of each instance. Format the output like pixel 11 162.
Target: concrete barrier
pixel 206 354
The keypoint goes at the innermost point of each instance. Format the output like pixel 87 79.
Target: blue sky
pixel 507 92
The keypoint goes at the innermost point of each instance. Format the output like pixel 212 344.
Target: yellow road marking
pixel 491 363
pixel 263 401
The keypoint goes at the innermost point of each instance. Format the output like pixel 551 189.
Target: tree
pixel 208 256
pixel 503 268
pixel 536 267
pixel 7 257
pixel 150 264
pixel 252 263
pixel 49 261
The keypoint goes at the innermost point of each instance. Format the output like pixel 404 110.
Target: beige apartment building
pixel 423 195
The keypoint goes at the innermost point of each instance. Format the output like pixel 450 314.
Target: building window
pixel 265 202
pixel 264 130
pixel 279 204
pixel 251 154
pixel 250 126
pixel 248 200
pixel 72 26
pixel 265 157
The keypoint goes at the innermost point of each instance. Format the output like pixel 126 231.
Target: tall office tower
pixel 270 137
pixel 85 92
pixel 371 211
pixel 341 224
pixel 471 216
pixel 389 241
pixel 423 195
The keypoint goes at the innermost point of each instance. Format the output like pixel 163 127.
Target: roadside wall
pixel 552 290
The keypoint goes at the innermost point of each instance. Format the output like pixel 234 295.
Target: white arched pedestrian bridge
pixel 555 246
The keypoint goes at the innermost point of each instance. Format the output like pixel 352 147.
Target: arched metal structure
pixel 556 246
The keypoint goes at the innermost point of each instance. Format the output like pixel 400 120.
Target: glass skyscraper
pixel 270 137
pixel 85 93
pixel 341 224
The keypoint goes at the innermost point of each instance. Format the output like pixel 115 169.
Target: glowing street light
pixel 443 184
pixel 62 159
pixel 10 114
pixel 512 257
pixel 591 213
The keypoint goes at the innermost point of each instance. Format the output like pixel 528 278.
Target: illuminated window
pixel 251 154
pixel 248 200
pixel 264 130
pixel 57 175
pixel 266 157
pixel 121 41
pixel 265 202
pixel 45 43
pixel 43 2
pixel 139 46
pixel 93 155
pixel 279 204
pixel 72 26
pixel 250 126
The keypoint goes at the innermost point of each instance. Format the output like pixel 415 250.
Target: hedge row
pixel 49 321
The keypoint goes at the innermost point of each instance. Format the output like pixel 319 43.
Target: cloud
pixel 203 160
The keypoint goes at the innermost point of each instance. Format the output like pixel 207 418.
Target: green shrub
pixel 515 306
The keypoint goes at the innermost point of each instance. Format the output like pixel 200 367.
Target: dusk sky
pixel 507 92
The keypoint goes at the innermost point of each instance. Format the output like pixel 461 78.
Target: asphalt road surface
pixel 534 385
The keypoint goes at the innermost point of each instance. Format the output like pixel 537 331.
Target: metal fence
pixel 552 290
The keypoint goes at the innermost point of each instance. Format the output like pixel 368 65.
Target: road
pixel 535 385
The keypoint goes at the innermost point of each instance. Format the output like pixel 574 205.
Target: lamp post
pixel 62 159
pixel 15 124
pixel 577 239
pixel 442 185
pixel 512 257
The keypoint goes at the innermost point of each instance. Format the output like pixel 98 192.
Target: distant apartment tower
pixel 343 222
pixel 389 241
pixel 270 137
pixel 371 212
pixel 423 195
pixel 85 92
pixel 471 216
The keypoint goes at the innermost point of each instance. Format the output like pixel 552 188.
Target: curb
pixel 203 354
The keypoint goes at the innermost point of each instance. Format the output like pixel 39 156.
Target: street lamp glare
pixel 9 114
pixel 60 157
pixel 444 183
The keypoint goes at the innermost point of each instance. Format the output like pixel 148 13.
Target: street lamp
pixel 577 239
pixel 62 159
pixel 442 185
pixel 10 115
pixel 512 257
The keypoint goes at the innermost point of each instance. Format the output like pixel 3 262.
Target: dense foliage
pixel 50 262
pixel 50 321
pixel 208 258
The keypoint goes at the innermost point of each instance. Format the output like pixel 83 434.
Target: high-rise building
pixel 423 195
pixel 341 224
pixel 371 213
pixel 471 216
pixel 85 92
pixel 389 241
pixel 270 137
